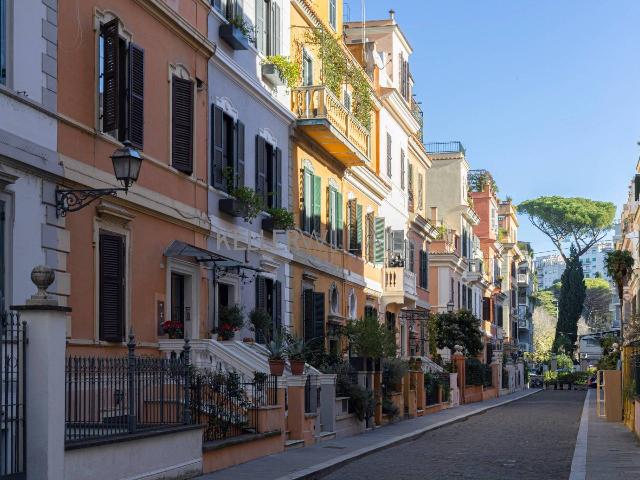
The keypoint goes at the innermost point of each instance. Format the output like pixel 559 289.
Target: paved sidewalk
pixel 612 451
pixel 325 456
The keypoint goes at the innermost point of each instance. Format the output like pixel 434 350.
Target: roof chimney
pixel 392 14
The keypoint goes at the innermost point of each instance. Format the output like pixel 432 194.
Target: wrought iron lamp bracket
pixel 74 200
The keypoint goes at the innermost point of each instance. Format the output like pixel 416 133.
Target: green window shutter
pixel 330 215
pixel 307 199
pixel 317 199
pixel 359 228
pixel 261 28
pixel 339 220
pixel 379 240
pixel 353 240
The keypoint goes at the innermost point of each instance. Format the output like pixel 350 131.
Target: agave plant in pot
pixel 296 353
pixel 277 350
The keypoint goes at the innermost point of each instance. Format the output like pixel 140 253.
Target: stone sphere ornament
pixel 42 277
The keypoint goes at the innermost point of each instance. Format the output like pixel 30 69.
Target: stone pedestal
pixel 296 414
pixel 45 380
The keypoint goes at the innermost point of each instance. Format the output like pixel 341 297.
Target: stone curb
pixel 322 469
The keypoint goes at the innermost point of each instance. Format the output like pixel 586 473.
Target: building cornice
pixel 396 105
pixel 172 20
pixel 419 151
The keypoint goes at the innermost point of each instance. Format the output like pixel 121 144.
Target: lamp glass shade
pixel 126 164
pixel 450 307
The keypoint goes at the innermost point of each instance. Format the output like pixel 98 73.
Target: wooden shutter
pixel 182 125
pixel 423 269
pixel 317 205
pixel 486 309
pixel 112 293
pixel 277 308
pixel 637 187
pixel 239 153
pixel 307 312
pixel 420 200
pixel 307 199
pixel 136 96
pixel 261 303
pixel 402 169
pixel 261 29
pixel 353 238
pixel 379 240
pixel 277 179
pixel 276 29
pixel 412 259
pixel 261 168
pixel 111 76
pixel 217 170
pixel 370 228
pixel 389 147
pixel 330 213
pixel 339 220
pixel 410 179
pixel 359 228
pixel 318 317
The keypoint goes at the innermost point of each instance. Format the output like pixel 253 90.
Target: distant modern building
pixel 549 269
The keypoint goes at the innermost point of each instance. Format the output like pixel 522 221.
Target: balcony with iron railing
pixel 418 114
pixel 445 147
pixel 323 117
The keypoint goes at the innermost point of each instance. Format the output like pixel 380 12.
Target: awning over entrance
pixel 182 249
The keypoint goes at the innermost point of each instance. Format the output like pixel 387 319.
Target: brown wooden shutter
pixel 307 311
pixel 217 118
pixel 277 180
pixel 111 76
pixel 318 318
pixel 239 154
pixel 261 303
pixel 261 168
pixel 182 125
pixel 136 96
pixel 277 308
pixel 112 293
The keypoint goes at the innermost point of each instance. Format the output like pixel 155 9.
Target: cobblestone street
pixel 532 438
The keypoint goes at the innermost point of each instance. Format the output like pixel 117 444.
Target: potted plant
pixel 231 319
pixel 280 70
pixel 296 353
pixel 279 219
pixel 260 320
pixel 245 204
pixel 276 348
pixel 173 328
pixel 237 33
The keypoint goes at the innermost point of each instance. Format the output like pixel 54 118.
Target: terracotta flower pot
pixel 297 367
pixel 276 367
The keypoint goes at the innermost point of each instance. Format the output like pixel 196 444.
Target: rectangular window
pixel 228 147
pixel 313 318
pixel 424 269
pixel 389 153
pixel 269 299
pixel 311 198
pixel 121 86
pixel 182 124
pixel 112 286
pixel 420 192
pixel 268 173
pixel 335 220
pixel 268 25
pixel 333 14
pixel 411 257
pixel 3 41
pixel 307 69
pixel 355 227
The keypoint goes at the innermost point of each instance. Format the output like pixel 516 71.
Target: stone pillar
pixel 458 360
pixel 296 417
pixel 554 362
pixel 328 402
pixel 496 371
pixel 45 384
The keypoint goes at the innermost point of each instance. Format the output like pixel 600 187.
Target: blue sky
pixel 543 93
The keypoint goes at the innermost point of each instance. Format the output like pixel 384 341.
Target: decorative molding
pixel 268 135
pixel 306 163
pixel 226 105
pixel 332 183
pixel 6 179
pixel 113 213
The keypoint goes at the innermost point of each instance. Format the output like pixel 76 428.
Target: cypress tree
pixel 572 295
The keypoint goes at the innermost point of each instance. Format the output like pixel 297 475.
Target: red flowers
pixel 173 328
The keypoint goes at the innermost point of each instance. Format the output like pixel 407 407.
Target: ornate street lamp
pixel 450 306
pixel 126 167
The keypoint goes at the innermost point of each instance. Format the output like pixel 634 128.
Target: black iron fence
pixel 107 397
pixel 227 405
pixel 13 444
pixel 474 372
pixel 505 378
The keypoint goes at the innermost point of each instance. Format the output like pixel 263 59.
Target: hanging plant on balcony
pixel 281 219
pixel 338 70
pixel 288 70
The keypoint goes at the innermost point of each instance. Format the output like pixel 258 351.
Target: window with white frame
pixel 268 27
pixel 333 14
